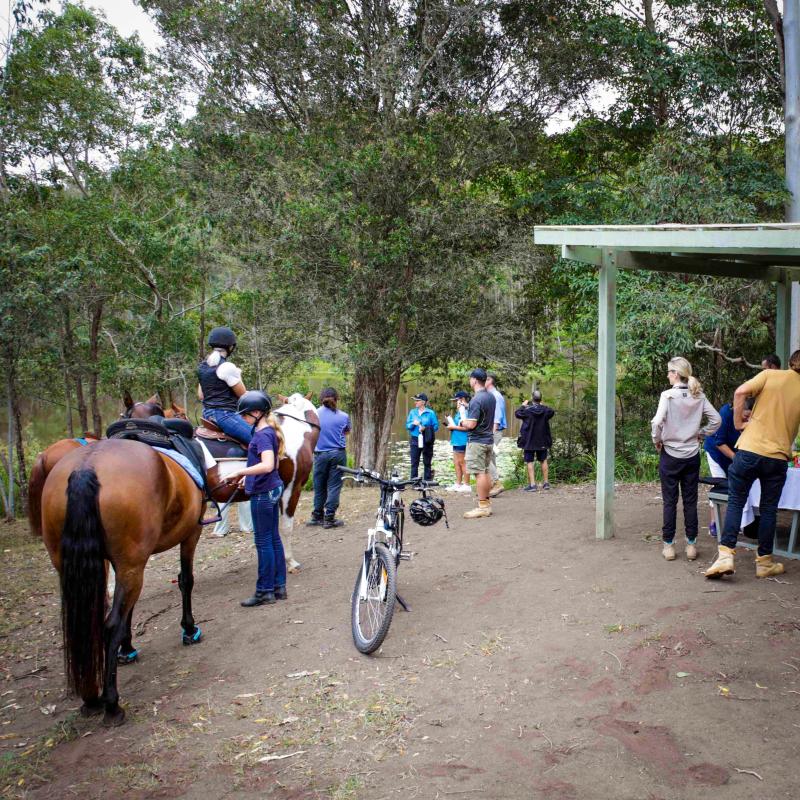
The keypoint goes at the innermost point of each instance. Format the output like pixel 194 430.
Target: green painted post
pixel 606 395
pixel 783 320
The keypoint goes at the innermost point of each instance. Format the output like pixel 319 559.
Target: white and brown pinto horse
pixel 300 426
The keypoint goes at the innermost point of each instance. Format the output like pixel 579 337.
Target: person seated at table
pixel 719 450
pixel 772 361
pixel 763 453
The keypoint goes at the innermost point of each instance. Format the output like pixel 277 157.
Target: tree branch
pixel 699 345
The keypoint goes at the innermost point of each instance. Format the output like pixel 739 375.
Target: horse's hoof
pixel 293 566
pixel 194 638
pixel 113 719
pixel 92 708
pixel 127 658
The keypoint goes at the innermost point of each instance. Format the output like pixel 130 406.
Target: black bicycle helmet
pixel 222 337
pixel 426 510
pixel 254 400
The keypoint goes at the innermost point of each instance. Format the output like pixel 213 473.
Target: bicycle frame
pixel 388 530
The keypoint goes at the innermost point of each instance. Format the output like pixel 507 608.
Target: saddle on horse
pixel 218 442
pixel 170 434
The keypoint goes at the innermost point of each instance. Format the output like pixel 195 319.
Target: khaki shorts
pixel 479 457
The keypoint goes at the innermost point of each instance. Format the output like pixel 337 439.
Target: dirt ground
pixel 536 663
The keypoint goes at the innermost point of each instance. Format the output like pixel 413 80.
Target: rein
pixel 297 419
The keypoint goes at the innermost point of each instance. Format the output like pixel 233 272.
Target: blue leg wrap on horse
pixel 194 638
pixel 127 658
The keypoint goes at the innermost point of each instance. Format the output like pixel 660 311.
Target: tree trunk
pixel 94 371
pixel 22 472
pixel 81 402
pixel 375 393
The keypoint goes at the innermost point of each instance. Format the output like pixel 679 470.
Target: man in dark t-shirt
pixel 479 422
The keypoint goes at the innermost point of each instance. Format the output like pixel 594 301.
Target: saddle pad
pixel 206 433
pixel 184 462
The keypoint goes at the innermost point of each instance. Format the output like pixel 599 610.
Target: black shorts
pixel 538 455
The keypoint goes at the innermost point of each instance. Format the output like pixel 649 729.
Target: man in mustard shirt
pixel 763 453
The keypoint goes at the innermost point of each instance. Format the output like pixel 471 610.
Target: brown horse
pixel 48 458
pixel 92 511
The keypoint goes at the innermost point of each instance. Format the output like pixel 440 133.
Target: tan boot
pixel 766 567
pixel 497 488
pixel 669 551
pixel 484 509
pixel 724 563
pixel 691 551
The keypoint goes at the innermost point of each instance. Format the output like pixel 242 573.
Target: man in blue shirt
pixel 422 425
pixel 500 424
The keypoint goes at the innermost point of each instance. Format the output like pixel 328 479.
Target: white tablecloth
pixel 790 497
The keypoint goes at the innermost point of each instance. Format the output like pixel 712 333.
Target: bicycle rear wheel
pixel 373 600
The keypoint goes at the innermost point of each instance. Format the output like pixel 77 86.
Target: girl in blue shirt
pixel 261 480
pixel 458 440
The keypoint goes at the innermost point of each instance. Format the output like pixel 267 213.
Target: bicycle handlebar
pixel 362 474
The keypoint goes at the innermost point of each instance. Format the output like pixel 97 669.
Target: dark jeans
pixel 231 423
pixel 676 473
pixel 328 481
pixel 271 560
pixel 427 458
pixel 748 467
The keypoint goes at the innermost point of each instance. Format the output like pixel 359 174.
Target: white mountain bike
pixel 375 591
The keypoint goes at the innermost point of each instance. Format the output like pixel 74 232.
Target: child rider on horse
pixel 220 386
pixel 262 482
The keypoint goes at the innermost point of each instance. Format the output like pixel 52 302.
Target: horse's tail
pixel 35 488
pixel 83 584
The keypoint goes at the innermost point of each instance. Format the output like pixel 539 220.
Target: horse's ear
pixel 282 399
pixel 309 395
pixel 127 400
pixel 155 400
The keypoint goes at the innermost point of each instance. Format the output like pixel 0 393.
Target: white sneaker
pixel 453 488
pixel 465 488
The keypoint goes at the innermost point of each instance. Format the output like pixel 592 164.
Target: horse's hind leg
pixel 191 633
pixel 126 593
pixel 127 653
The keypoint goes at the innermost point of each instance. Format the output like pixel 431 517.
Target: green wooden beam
pixel 698 265
pixel 606 395
pixel 691 265
pixel 783 321
pixel 768 239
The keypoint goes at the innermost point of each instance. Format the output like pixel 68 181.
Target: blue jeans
pixel 231 423
pixel 328 481
pixel 746 468
pixel 271 560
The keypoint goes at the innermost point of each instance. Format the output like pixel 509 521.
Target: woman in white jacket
pixel 677 432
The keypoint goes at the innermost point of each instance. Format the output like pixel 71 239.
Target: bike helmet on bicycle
pixel 426 510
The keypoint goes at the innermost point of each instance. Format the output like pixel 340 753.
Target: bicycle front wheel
pixel 374 596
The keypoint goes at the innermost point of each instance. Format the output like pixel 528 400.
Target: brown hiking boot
pixel 766 567
pixel 484 509
pixel 497 488
pixel 724 563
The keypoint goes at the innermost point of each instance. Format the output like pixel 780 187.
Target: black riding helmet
pixel 254 400
pixel 222 337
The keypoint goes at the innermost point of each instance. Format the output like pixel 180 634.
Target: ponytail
pixel 330 398
pixel 275 425
pixel 684 370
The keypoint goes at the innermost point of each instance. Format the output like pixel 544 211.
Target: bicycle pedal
pixel 406 555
